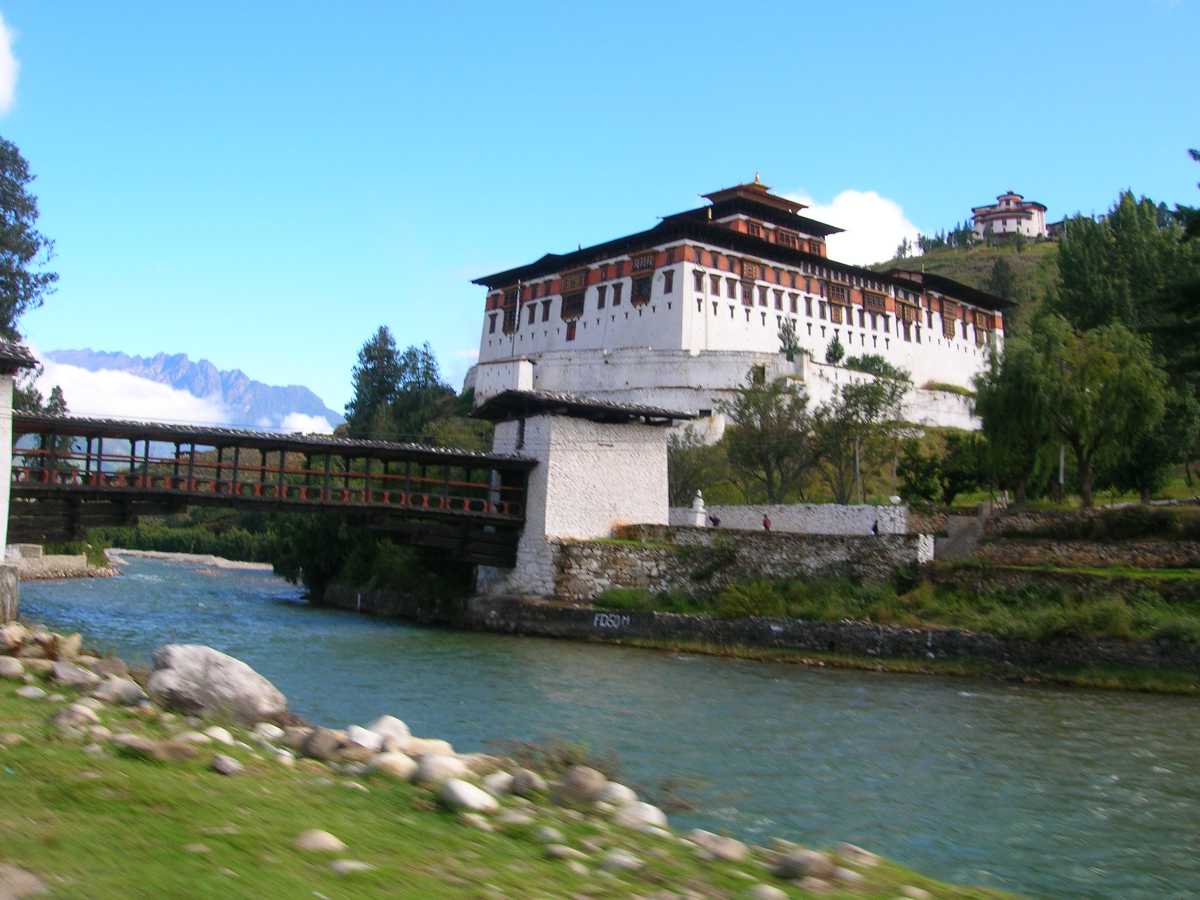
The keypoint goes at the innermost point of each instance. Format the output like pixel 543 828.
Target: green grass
pixel 111 826
pixel 93 549
pixel 1115 572
pixel 1151 681
pixel 1041 612
pixel 948 388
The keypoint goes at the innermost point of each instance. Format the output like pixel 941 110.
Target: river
pixel 1043 791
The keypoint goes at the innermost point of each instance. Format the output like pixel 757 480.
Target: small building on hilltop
pixel 1010 214
pixel 679 315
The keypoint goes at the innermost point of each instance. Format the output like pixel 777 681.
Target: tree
pixel 421 396
pixel 376 382
pixel 770 443
pixel 861 423
pixel 874 364
pixel 789 343
pixel 834 352
pixel 920 475
pixel 1144 465
pixel 1002 281
pixel 24 250
pixel 962 466
pixel 1012 405
pixel 692 465
pixel 1103 392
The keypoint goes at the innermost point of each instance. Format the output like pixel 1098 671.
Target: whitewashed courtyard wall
pixel 805 518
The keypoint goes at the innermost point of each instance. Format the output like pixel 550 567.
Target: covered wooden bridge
pixel 70 474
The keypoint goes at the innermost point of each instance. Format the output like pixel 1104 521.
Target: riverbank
pixel 118 795
pixel 117 554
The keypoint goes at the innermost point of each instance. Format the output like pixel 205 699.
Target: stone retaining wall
pixel 1144 554
pixel 702 560
pixel 850 638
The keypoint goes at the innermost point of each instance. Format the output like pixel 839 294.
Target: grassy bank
pixel 101 824
pixel 233 543
pixel 1157 681
pixel 1033 612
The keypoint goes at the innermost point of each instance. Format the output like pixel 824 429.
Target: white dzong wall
pixel 590 478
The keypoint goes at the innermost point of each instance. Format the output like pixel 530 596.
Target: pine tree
pixel 376 380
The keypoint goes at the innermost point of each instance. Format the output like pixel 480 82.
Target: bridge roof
pixel 515 404
pixel 214 436
pixel 14 356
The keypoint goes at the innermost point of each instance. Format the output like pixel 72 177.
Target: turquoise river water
pixel 1051 793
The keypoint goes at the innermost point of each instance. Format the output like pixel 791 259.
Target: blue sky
pixel 263 184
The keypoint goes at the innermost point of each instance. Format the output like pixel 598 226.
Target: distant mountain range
pixel 249 402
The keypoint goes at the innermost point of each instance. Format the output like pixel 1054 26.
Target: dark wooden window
pixel 545 310
pixel 492 324
pixel 617 294
pixel 754 230
pixel 601 296
pixel 779 299
pixel 758 373
pixel 668 281
pixel 787 238
pixel 510 320
pixel 640 295
pixel 808 306
pixel 571 331
pixel 762 296
pixel 532 312
pixel 714 282
pixel 572 306
pixel 731 288
pixel 698 277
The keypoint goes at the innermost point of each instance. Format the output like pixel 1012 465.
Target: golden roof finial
pixel 757 180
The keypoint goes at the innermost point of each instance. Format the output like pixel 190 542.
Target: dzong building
pixel 678 315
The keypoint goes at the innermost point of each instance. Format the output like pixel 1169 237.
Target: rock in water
pixel 193 678
pixel 462 796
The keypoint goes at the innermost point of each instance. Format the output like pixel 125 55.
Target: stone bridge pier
pixel 601 464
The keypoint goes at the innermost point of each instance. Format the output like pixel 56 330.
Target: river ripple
pixel 1048 792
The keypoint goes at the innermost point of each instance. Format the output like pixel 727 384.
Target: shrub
pixel 633 599
pixel 754 598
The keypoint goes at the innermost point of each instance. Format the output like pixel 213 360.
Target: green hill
pixel 1034 266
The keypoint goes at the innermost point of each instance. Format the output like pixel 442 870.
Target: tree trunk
pixel 1145 496
pixel 1020 492
pixel 1085 483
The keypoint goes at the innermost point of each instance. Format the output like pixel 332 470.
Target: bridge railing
pixel 303 473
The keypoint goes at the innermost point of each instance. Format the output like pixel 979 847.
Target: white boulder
pixel 193 678
pixel 462 796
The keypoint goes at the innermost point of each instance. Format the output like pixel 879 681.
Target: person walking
pixel 766 522
pixel 714 521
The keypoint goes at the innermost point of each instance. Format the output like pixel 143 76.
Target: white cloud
pixel 874 225
pixel 9 67
pixel 120 395
pixel 305 423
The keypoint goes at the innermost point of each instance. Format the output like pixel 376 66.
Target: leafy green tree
pixel 1145 464
pixel 1003 280
pixel 422 395
pixel 770 443
pixel 919 474
pixel 376 382
pixel 962 467
pixel 789 343
pixel 1013 407
pixel 860 424
pixel 24 251
pixel 692 465
pixel 1121 269
pixel 1103 392
pixel 834 352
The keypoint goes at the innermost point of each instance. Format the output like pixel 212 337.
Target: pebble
pixel 11 668
pixel 526 782
pixel 436 768
pixel 318 841
pixel 10 739
pixel 77 676
pixel 16 882
pixel 856 855
pixel 813 885
pixel 619 860
pixel 394 765
pixel 915 893
pixel 57 698
pixel 766 892
pixel 220 735
pixel 268 731
pixel 640 815
pixel 848 876
pixel 461 795
pixel 30 692
pixel 196 848
pixel 549 835
pixel 578 868
pixel 562 851
pixel 350 866
pixel 475 820
pixel 226 765
pixel 193 737
pixel 617 794
pixel 515 817
pixel 498 784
